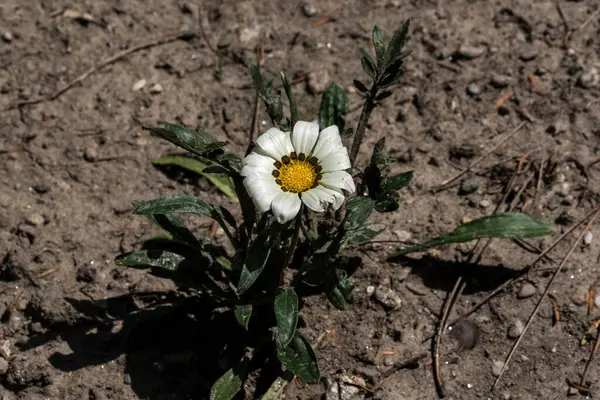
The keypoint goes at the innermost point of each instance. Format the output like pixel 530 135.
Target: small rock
pixel 36 327
pixel 564 189
pixel 501 81
pixel 7 37
pixel 36 220
pixel 597 300
pixel 42 187
pixel 22 304
pixel 370 290
pixel 156 88
pixel 5 351
pixel 529 53
pixel 90 154
pixel 469 185
pixel 350 387
pixel 484 203
pixel 387 297
pixel 470 52
pixel 333 389
pixel 139 85
pixel 526 290
pixel 317 82
pixel 403 236
pixel 3 366
pixel 589 78
pixel 388 360
pixel 515 329
pixel 86 274
pixel 587 238
pixel 309 10
pixel 466 333
pixel 473 89
pixel 497 368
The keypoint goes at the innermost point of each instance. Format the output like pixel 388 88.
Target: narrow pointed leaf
pixel 299 358
pixel 150 259
pixel 293 106
pixel 199 143
pixel 502 225
pixel 368 64
pixel 360 86
pixel 174 203
pixel 398 181
pixel 286 315
pixel 358 210
pixel 219 179
pixel 397 43
pixel 334 105
pixel 360 236
pixel 380 46
pixel 255 262
pixel 226 387
pixel 172 224
pixel 243 314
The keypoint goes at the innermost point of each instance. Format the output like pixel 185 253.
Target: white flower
pixel 285 170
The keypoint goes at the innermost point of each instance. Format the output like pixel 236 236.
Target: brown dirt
pixel 79 327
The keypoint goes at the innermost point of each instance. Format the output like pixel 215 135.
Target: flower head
pixel 285 170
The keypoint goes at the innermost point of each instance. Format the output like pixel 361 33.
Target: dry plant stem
pixel 589 361
pixel 438 339
pixel 480 159
pixel 362 125
pixel 171 37
pixel 403 364
pixel 548 287
pixel 292 249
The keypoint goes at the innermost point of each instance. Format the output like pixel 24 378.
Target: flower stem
pixel 292 249
pixel 362 124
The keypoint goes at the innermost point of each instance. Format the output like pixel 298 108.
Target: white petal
pixel 275 143
pixel 285 206
pixel 337 160
pixel 257 163
pixel 338 180
pixel 304 136
pixel 262 190
pixel 329 140
pixel 338 198
pixel 316 199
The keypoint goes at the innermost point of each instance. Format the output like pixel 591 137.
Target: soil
pixel 75 326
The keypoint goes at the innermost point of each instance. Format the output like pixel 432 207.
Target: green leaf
pixel 286 315
pixel 334 105
pixel 396 45
pixel 220 180
pixel 255 262
pixel 199 143
pixel 359 236
pixel 243 314
pixel 380 46
pixel 360 86
pixel 272 101
pixel 502 225
pixel 226 387
pixel 377 156
pixel 293 106
pixel 172 224
pixel 398 181
pixel 387 203
pixel 174 203
pixel 341 288
pixel 150 259
pixel 383 95
pixel 299 358
pixel 358 210
pixel 368 64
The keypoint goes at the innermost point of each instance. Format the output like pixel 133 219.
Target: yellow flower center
pixel 297 173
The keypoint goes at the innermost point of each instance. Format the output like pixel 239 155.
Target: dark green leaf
pixel 150 258
pixel 199 143
pixel 243 314
pixel 255 262
pixel 336 298
pixel 358 210
pixel 387 203
pixel 359 236
pixel 286 315
pixel 383 95
pixel 377 154
pixel 360 86
pixel 334 105
pixel 299 358
pixel 340 289
pixel 226 387
pixel 174 203
pixel 293 106
pixel 398 181
pixel 502 225
pixel 368 64
pixel 380 46
pixel 201 167
pixel 172 224
pixel 229 158
pixel 396 45
pixel 272 101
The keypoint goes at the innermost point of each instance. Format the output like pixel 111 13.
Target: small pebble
pixel 564 189
pixel 3 369
pixel 466 333
pixel 388 360
pixel 370 290
pixel 587 238
pixel 501 81
pixel 515 329
pixel 403 236
pixel 484 203
pixel 22 304
pixel 469 185
pixel 36 220
pixel 5 351
pixel 526 290
pixel 156 88
pixel 7 37
pixel 529 53
pixel 139 85
pixel 90 154
pixel 589 78
pixel 317 82
pixel 309 10
pixel 597 300
pixel 497 368
pixel 470 52
pixel 387 297
pixel 473 89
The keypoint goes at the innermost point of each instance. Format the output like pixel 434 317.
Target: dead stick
pixel 589 361
pixel 548 287
pixel 483 157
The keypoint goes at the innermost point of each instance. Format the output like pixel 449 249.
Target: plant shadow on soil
pixel 178 346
